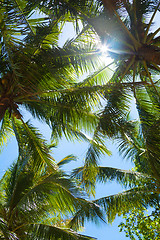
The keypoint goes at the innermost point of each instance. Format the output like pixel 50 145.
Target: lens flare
pixel 104 49
pixel 104 53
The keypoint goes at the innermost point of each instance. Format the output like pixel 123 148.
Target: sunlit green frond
pixel 6 131
pixel 39 196
pixel 31 140
pixel 66 114
pixel 100 76
pixel 5 232
pixel 122 202
pixel 87 211
pixel 47 196
pixel 31 201
pixel 126 178
pixel 79 58
pixel 66 160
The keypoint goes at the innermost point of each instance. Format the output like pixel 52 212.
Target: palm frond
pixel 149 118
pixel 5 233
pixel 66 160
pixel 87 211
pixel 115 111
pixel 31 140
pixel 74 11
pixel 40 231
pixel 41 196
pixel 6 131
pixel 126 178
pixel 122 202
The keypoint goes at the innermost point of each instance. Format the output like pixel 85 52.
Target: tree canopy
pixel 49 82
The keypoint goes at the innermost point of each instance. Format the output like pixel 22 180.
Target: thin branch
pixel 156 66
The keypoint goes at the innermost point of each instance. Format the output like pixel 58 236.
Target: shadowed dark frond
pixel 75 10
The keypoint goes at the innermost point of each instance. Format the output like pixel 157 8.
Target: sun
pixel 103 49
pixel 104 53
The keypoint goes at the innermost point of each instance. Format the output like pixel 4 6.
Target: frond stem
pixel 152 36
pixel 150 22
pixel 94 75
pixel 72 90
pixel 146 69
pixel 23 15
pixel 134 75
pixel 130 63
pixel 136 43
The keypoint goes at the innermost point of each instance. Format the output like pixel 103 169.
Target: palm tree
pixel 40 77
pixel 65 105
pixel 135 44
pixel 142 188
pixel 139 143
pixel 32 65
pixel 39 204
pixel 126 28
pixel 136 52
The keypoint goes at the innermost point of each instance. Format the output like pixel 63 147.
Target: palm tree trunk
pixel 3 107
pixel 149 54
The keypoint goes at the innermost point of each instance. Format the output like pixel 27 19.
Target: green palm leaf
pixel 33 202
pixel 31 140
pixel 6 131
pixel 41 231
pixel 122 202
pixel 126 178
pixel 87 211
